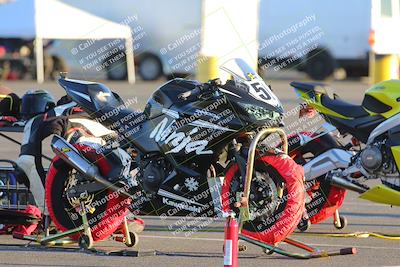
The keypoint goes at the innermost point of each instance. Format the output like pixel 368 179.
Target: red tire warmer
pixel 293 175
pixel 112 218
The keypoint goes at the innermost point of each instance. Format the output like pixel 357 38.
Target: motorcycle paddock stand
pixel 244 214
pixel 312 252
pixel 85 241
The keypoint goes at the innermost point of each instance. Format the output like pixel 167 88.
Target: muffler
pixel 72 157
pixel 346 184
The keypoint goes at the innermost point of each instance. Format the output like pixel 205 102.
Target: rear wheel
pixel 323 198
pixel 109 208
pixel 273 217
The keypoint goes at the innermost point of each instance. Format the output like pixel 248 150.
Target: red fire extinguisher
pixel 231 248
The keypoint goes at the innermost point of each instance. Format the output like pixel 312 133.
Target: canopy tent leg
pixel 130 66
pixel 39 60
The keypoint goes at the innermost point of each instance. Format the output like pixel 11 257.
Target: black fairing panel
pixel 209 131
pixel 316 147
pixel 358 127
pixel 375 105
pixel 393 137
pixel 78 91
pixel 195 134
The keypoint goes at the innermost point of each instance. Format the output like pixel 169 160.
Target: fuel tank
pixel 167 95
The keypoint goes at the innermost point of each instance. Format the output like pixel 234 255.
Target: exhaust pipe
pixel 72 157
pixel 346 184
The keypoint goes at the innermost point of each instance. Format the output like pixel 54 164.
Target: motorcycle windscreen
pixel 247 77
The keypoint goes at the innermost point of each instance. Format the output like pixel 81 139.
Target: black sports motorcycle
pixel 189 153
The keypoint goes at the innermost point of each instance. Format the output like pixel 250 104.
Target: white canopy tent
pixel 51 19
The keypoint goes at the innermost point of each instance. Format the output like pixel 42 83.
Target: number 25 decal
pixel 261 92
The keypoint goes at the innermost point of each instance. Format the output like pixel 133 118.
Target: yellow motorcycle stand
pixel 245 212
pixel 85 241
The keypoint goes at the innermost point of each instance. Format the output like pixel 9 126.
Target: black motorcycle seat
pixel 343 108
pixel 337 105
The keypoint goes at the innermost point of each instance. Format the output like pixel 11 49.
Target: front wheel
pixel 273 216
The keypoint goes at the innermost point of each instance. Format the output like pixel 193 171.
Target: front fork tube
pixel 244 209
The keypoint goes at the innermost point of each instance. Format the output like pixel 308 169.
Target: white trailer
pixel 318 36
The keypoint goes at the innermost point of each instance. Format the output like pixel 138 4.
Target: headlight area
pixel 260 113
